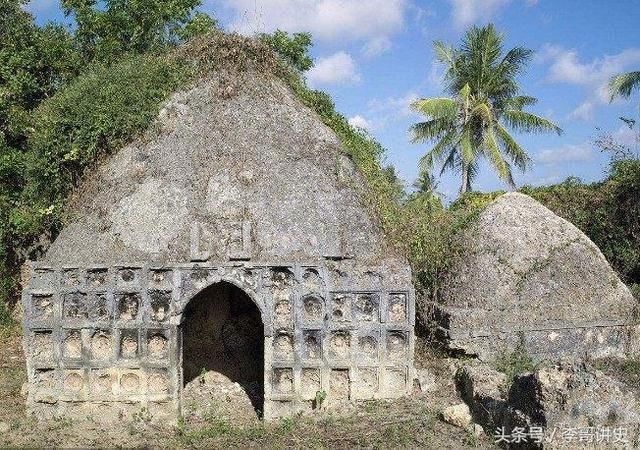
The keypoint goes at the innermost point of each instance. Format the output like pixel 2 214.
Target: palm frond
pixel 512 149
pixel 450 163
pixel 514 61
pixel 437 107
pixel 466 147
pixel 465 96
pixel 444 53
pixel 519 102
pixel 431 129
pixel 497 161
pixel 448 56
pixel 528 122
pixel 472 172
pixel 622 85
pixel 437 152
pixel 482 46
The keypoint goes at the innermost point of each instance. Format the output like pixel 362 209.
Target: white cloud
pixel 338 68
pixel 381 112
pixel 468 12
pixel 544 180
pixel 394 106
pixel 360 122
pixel 551 175
pixel 565 67
pixel 376 46
pixel 326 20
pixel 569 153
pixel 584 111
pixel 627 136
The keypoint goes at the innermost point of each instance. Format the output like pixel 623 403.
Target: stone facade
pixel 236 182
pixel 108 339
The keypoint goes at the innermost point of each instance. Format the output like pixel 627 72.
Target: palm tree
pixel 622 85
pixel 485 102
pixel 426 183
pixel 427 191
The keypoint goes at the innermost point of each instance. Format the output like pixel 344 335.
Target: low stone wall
pixel 480 332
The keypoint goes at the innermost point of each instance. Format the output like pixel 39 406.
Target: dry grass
pixel 404 423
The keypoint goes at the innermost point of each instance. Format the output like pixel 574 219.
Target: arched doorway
pixel 223 344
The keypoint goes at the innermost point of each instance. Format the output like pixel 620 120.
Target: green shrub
pixel 474 200
pixel 5 316
pixel 94 115
pixel 432 244
pixel 515 362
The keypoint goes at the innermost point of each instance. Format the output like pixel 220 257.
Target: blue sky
pixel 374 57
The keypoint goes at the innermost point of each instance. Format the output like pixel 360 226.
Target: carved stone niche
pixel 221 240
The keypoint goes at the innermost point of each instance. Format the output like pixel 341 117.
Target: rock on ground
pixel 484 390
pixel 553 398
pixel 573 395
pixel 458 415
pixel 426 381
pixel 526 278
pixel 213 396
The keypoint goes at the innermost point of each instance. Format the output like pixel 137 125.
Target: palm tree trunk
pixel 464 186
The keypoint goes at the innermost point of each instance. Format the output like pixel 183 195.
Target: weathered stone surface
pixel 256 175
pixel 526 276
pixel 231 239
pixel 551 400
pixel 480 381
pixel 213 395
pixel 484 390
pixel 131 336
pixel 457 415
pixel 426 380
pixel 573 396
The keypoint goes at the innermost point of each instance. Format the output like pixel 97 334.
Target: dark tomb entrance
pixel 222 355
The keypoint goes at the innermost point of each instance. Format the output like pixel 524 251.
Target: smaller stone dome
pixel 525 276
